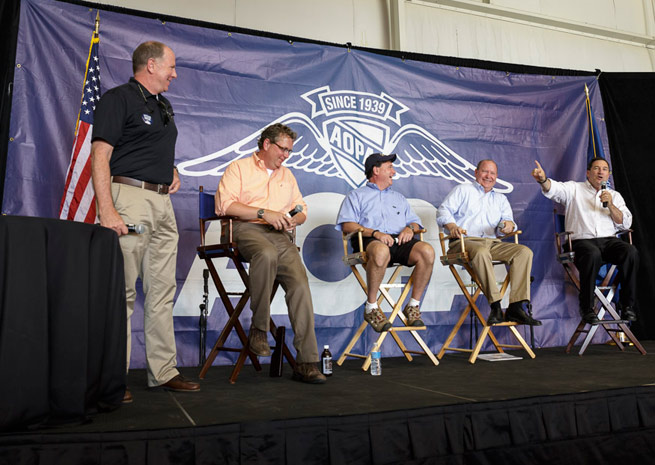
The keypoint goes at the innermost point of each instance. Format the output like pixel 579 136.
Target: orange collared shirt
pixel 247 181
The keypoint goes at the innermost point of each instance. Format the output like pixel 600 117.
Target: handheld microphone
pixel 136 228
pixel 603 186
pixel 297 209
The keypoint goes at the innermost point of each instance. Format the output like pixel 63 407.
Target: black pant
pixel 397 253
pixel 591 254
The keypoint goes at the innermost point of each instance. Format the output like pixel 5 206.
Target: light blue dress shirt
pixel 387 210
pixel 477 211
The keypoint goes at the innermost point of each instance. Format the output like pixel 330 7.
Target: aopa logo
pixel 342 129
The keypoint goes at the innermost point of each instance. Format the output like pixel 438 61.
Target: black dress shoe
pixel 589 316
pixel 496 315
pixel 515 313
pixel 629 314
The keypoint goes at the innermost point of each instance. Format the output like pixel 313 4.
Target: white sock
pixel 414 303
pixel 370 307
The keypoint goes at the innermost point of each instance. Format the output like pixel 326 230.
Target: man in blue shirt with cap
pixel 389 225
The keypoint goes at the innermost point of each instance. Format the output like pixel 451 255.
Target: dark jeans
pixel 591 254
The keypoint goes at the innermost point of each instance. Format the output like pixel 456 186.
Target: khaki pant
pixel 152 257
pixel 272 255
pixel 482 251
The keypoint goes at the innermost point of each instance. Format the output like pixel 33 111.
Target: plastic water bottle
pixel 376 363
pixel 326 361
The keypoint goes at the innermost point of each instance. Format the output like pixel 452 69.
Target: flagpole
pixel 589 117
pixel 95 38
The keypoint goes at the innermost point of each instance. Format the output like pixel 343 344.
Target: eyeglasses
pixel 166 115
pixel 284 149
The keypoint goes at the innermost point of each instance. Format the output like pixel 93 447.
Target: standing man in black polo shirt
pixel 132 154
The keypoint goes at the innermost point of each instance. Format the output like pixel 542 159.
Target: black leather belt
pixel 158 188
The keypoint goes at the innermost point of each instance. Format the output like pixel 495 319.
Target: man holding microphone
pixel 595 214
pixel 264 195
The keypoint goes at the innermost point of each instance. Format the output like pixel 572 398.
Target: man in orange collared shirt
pixel 262 193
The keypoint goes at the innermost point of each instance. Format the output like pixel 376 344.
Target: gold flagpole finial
pixel 97 21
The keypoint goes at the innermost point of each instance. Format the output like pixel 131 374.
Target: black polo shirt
pixel 130 119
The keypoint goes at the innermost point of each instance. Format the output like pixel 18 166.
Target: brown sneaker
pixel 308 373
pixel 127 397
pixel 377 320
pixel 258 343
pixel 413 315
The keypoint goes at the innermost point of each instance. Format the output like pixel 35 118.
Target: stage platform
pixel 557 408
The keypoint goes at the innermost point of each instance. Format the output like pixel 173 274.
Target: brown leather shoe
pixel 258 342
pixel 180 384
pixel 308 373
pixel 127 397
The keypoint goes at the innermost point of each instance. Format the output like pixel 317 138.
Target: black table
pixel 62 321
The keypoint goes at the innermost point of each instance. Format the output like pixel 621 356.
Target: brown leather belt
pixel 158 188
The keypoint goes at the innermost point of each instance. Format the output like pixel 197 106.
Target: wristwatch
pixel 260 213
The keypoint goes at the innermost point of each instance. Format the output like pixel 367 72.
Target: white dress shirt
pixel 585 215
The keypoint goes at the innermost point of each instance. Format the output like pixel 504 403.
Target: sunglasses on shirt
pixel 166 115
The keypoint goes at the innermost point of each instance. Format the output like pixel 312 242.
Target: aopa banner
pixel 344 104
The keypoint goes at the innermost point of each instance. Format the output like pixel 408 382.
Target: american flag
pixel 78 202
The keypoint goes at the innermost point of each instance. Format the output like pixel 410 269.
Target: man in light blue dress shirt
pixel 478 212
pixel 389 225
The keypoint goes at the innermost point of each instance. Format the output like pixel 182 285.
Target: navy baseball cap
pixel 375 158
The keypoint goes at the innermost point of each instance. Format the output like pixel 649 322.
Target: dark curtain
pixel 62 321
pixel 629 103
pixel 590 428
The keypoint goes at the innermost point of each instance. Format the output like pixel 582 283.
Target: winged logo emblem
pixel 342 129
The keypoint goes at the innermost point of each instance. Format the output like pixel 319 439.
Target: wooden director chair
pixel 228 248
pixel 359 258
pixel 472 292
pixel 604 291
